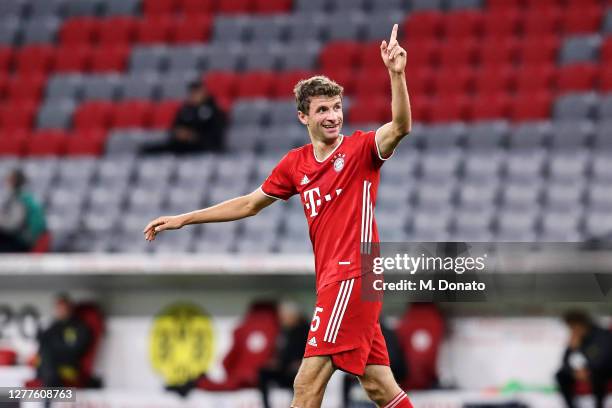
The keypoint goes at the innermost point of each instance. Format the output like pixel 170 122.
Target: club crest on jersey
pixel 338 161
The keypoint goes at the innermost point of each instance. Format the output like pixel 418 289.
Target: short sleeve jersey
pixel 338 195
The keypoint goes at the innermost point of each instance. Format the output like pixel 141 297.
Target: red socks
pixel 400 401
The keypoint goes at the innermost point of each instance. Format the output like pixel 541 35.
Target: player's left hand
pixel 392 54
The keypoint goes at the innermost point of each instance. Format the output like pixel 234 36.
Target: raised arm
pixel 230 210
pixel 390 134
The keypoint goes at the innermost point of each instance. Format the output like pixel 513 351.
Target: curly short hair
pixel 315 86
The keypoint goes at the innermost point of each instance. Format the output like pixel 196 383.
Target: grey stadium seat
pixel 521 196
pixel 224 57
pixel 261 57
pixel 115 170
pixel 442 136
pixel 583 48
pixel 9 30
pixel 560 227
pixel 181 199
pixel 378 25
pixel 230 29
pixel 312 5
pixel 529 135
pixel 56 114
pixel 76 171
pixel 145 199
pixel 430 227
pixel 234 169
pixel 463 4
pixel 338 29
pixel 173 85
pixel 568 166
pixel 563 196
pixel 105 199
pixel 377 6
pixel 600 196
pixel 571 134
pixel 101 87
pixel 283 113
pixel 279 139
pixel 305 27
pixel 605 107
pixel 299 58
pixel 120 7
pixel 243 138
pixel 602 139
pixel 126 141
pixel 349 5
pixel 478 195
pixel 152 58
pixel 575 106
pixel 441 164
pixel 39 8
pixel 432 196
pixel 266 30
pixel 187 58
pixel 139 86
pixel 598 224
pixel 421 5
pixel 525 166
pixel 607 23
pixel 472 226
pixel 155 170
pixel 601 166
pixel 76 8
pixel 174 243
pixel 488 135
pixel 251 112
pixel 198 167
pixel 40 30
pixel 64 87
pixel 13 8
pixel 516 226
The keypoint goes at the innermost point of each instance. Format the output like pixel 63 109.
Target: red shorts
pixel 346 328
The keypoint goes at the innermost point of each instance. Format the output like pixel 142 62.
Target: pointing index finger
pixel 393 34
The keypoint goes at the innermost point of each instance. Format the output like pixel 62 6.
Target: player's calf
pixel 380 385
pixel 311 381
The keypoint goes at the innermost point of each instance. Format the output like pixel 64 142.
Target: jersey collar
pixel 330 153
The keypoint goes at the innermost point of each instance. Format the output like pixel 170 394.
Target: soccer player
pixel 337 178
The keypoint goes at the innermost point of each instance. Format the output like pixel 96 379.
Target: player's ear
pixel 303 118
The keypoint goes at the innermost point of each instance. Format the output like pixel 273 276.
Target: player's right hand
pixel 161 224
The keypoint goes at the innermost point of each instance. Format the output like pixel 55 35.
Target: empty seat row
pixel 380 5
pixel 68 8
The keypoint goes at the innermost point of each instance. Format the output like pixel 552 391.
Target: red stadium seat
pixel 424 52
pixel 577 77
pixel 222 85
pixel 542 4
pixel 423 25
pixel 585 3
pixel 272 6
pixel 504 5
pixel 458 54
pixel 78 31
pixel 536 78
pixel 72 58
pixel 420 108
pixel 343 76
pixel 462 24
pixel 495 79
pixel 154 30
pixel 369 55
pixel 89 143
pixel 539 50
pixel 369 110
pixel 339 54
pixel 92 115
pixel 498 52
pixel 255 84
pixel 454 81
pixel 131 114
pixel 13 143
pixel 47 143
pixel 489 106
pixel 372 83
pixel 6 59
pixel 449 109
pixel 163 114
pixel 34 59
pixel 605 51
pixel 605 79
pixel 285 82
pixel 192 29
pixel 159 7
pixel 116 31
pixel 195 7
pixel 531 105
pixel 25 88
pixel 235 7
pixel 581 19
pixel 110 59
pixel 420 80
pixel 17 116
pixel 542 22
pixel 501 24
pixel 4 82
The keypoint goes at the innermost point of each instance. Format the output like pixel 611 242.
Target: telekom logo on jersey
pixel 314 200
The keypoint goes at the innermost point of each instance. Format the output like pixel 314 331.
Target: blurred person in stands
pixel 62 345
pixel 290 348
pixel 22 217
pixel 588 358
pixel 198 126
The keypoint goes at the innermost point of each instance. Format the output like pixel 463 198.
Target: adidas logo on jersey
pixel 305 180
pixel 313 342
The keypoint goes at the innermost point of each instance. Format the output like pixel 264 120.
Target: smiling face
pixel 324 119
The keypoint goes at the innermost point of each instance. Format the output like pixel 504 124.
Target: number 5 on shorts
pixel 316 320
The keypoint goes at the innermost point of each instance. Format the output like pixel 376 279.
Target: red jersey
pixel 339 196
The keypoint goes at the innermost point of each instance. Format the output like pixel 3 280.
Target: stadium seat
pixel 92 115
pixel 39 30
pixel 196 7
pixel 12 144
pixel 449 109
pixel 498 52
pixel 539 50
pixel 151 58
pixel 48 143
pixel 154 30
pixel 114 8
pixel 575 106
pixel 86 143
pixel 110 59
pixel 502 24
pixel 221 84
pixel 254 84
pixel 101 87
pixel 462 24
pixel 78 31
pixel 492 80
pixel 377 24
pixel 542 22
pixel 369 110
pixel 577 77
pixel 584 48
pixel 25 87
pixel 55 115
pixel 72 59
pixel 158 8
pixel 540 78
pixel 336 29
pixel 78 8
pixel 420 81
pixel 163 114
pixel 4 81
pixel 423 25
pixel 34 59
pixel 6 58
pixel 457 54
pixel 339 54
pixel 10 29
pixel 605 79
pixel 423 52
pixel 454 81
pixel 581 19
pixel 116 31
pixel 131 114
pixel 504 5
pixel 17 116
pixel 192 29
pixel 531 106
pixel 489 106
pixel 261 57
pixel 285 81
pixel 373 84
pixel 571 134
pixel 62 87
pixel 345 76
pixel 235 7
